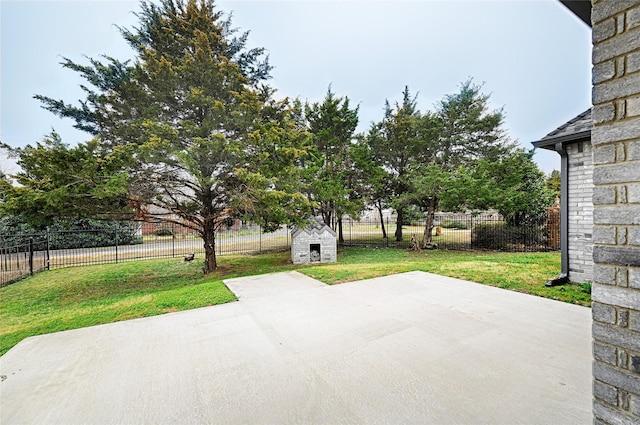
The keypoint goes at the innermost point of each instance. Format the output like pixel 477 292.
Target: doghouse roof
pixel 315 226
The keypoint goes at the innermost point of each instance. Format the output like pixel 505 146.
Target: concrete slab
pixel 410 348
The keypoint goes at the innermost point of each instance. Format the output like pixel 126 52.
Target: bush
pixel 499 236
pixel 13 232
pixel 70 234
pixel 164 231
pixel 92 234
pixel 454 224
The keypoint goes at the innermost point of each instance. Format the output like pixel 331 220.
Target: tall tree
pixel 207 139
pixel 373 180
pixel 332 124
pixel 462 130
pixel 395 142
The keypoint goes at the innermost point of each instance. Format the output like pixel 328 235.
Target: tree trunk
pixel 340 235
pixel 427 241
pixel 384 231
pixel 209 236
pixel 398 233
pixel 326 216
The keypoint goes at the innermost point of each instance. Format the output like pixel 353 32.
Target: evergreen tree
pixel 395 143
pixel 422 151
pixel 332 184
pixel 513 184
pixel 462 130
pixel 373 186
pixel 553 183
pixel 57 180
pixel 206 140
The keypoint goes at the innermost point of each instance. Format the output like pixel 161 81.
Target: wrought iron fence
pixel 25 255
pixel 18 261
pixel 458 232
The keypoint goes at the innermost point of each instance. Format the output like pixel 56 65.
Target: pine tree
pixel 395 143
pixel 461 131
pixel 207 141
pixel 332 184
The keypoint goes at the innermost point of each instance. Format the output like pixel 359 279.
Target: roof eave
pixel 580 8
pixel 550 143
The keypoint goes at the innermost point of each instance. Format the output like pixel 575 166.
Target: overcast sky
pixel 534 57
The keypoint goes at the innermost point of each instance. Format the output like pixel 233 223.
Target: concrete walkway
pixel 414 348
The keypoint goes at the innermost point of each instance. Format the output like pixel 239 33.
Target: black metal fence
pixel 22 260
pixel 458 232
pixel 29 254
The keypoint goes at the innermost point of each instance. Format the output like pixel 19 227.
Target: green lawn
pixel 76 297
pixel 522 272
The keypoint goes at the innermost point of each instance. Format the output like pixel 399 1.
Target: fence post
pixel 116 244
pixel 47 248
pixel 260 230
pixel 173 239
pixel 31 256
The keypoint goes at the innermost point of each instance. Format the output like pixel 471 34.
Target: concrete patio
pixel 414 348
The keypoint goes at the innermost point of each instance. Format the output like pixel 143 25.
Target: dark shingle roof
pixel 576 130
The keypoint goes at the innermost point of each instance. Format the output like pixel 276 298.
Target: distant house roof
pixel 576 130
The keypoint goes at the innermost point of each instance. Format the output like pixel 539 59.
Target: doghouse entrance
pixel 314 254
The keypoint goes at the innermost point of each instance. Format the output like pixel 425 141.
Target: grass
pixel 76 297
pixel 522 272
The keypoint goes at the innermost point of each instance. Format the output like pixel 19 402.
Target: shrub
pixel 499 236
pixel 78 233
pixel 164 231
pixel 91 234
pixel 488 236
pixel 454 224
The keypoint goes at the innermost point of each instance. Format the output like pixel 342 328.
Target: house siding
pixel 580 211
pixel 616 176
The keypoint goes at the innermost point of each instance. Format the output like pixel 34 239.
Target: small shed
pixel 314 243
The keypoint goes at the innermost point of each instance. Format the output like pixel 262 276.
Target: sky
pixel 532 57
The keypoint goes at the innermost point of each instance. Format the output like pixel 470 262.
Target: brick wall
pixel 616 176
pixel 580 212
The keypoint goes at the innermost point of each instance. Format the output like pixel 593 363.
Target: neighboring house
pixel 572 141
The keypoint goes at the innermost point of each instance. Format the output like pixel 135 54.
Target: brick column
pixel 616 176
